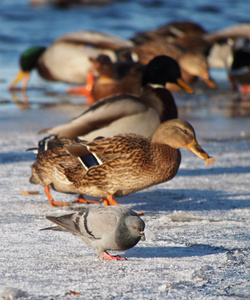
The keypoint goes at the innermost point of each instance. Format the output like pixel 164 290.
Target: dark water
pixel 23 25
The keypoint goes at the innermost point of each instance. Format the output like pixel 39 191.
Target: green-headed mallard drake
pixel 67 59
pixel 127 113
pixel 127 163
pixel 50 153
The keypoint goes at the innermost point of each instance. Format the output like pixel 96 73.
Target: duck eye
pixel 185 131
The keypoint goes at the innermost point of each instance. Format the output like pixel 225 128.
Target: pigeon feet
pixel 107 256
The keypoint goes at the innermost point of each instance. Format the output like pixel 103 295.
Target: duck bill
pixel 143 238
pixel 182 84
pixel 21 76
pixel 205 76
pixel 198 151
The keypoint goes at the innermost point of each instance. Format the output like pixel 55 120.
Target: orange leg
pixel 80 199
pixel 109 200
pixel 107 256
pixel 51 200
pixel 244 89
pixel 79 90
pixel 89 100
pixel 84 90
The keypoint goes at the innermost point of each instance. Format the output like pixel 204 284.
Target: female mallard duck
pixel 50 154
pixel 193 65
pixel 111 78
pixel 130 114
pixel 67 58
pixel 184 42
pixel 171 29
pixel 127 163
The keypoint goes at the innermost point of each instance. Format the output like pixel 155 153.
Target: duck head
pixel 178 134
pixel 28 62
pixel 164 69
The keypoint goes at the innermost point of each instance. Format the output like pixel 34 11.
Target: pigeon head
pixel 129 232
pixel 135 226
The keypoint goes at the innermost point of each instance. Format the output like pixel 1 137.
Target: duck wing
pixel 96 39
pixel 100 115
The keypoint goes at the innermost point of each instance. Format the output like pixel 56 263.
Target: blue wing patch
pixel 89 160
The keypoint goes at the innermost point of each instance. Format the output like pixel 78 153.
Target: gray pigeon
pixel 103 228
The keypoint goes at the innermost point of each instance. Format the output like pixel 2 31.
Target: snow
pixel 197 225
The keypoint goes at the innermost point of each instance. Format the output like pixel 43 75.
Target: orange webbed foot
pixel 51 200
pixel 54 203
pixel 109 200
pixel 80 199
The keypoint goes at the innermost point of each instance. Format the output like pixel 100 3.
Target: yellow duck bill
pixel 22 75
pixel 197 150
pixel 182 84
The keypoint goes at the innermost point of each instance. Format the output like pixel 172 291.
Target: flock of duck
pixel 129 137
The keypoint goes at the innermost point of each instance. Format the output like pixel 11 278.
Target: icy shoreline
pixel 197 226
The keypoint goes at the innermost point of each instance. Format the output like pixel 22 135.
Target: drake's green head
pixel 29 58
pixel 163 69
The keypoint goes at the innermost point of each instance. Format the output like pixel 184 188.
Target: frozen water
pixel 197 225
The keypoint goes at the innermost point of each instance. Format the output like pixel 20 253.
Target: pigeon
pixel 103 228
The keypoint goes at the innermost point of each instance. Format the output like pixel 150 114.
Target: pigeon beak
pixel 143 238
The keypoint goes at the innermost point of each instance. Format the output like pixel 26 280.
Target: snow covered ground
pixel 197 225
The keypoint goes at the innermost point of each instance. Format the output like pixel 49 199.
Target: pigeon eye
pixel 134 227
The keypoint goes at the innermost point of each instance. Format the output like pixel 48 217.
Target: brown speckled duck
pixel 124 164
pixel 193 65
pixel 50 154
pixel 127 113
pixel 108 78
pixel 182 40
pixel 174 30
